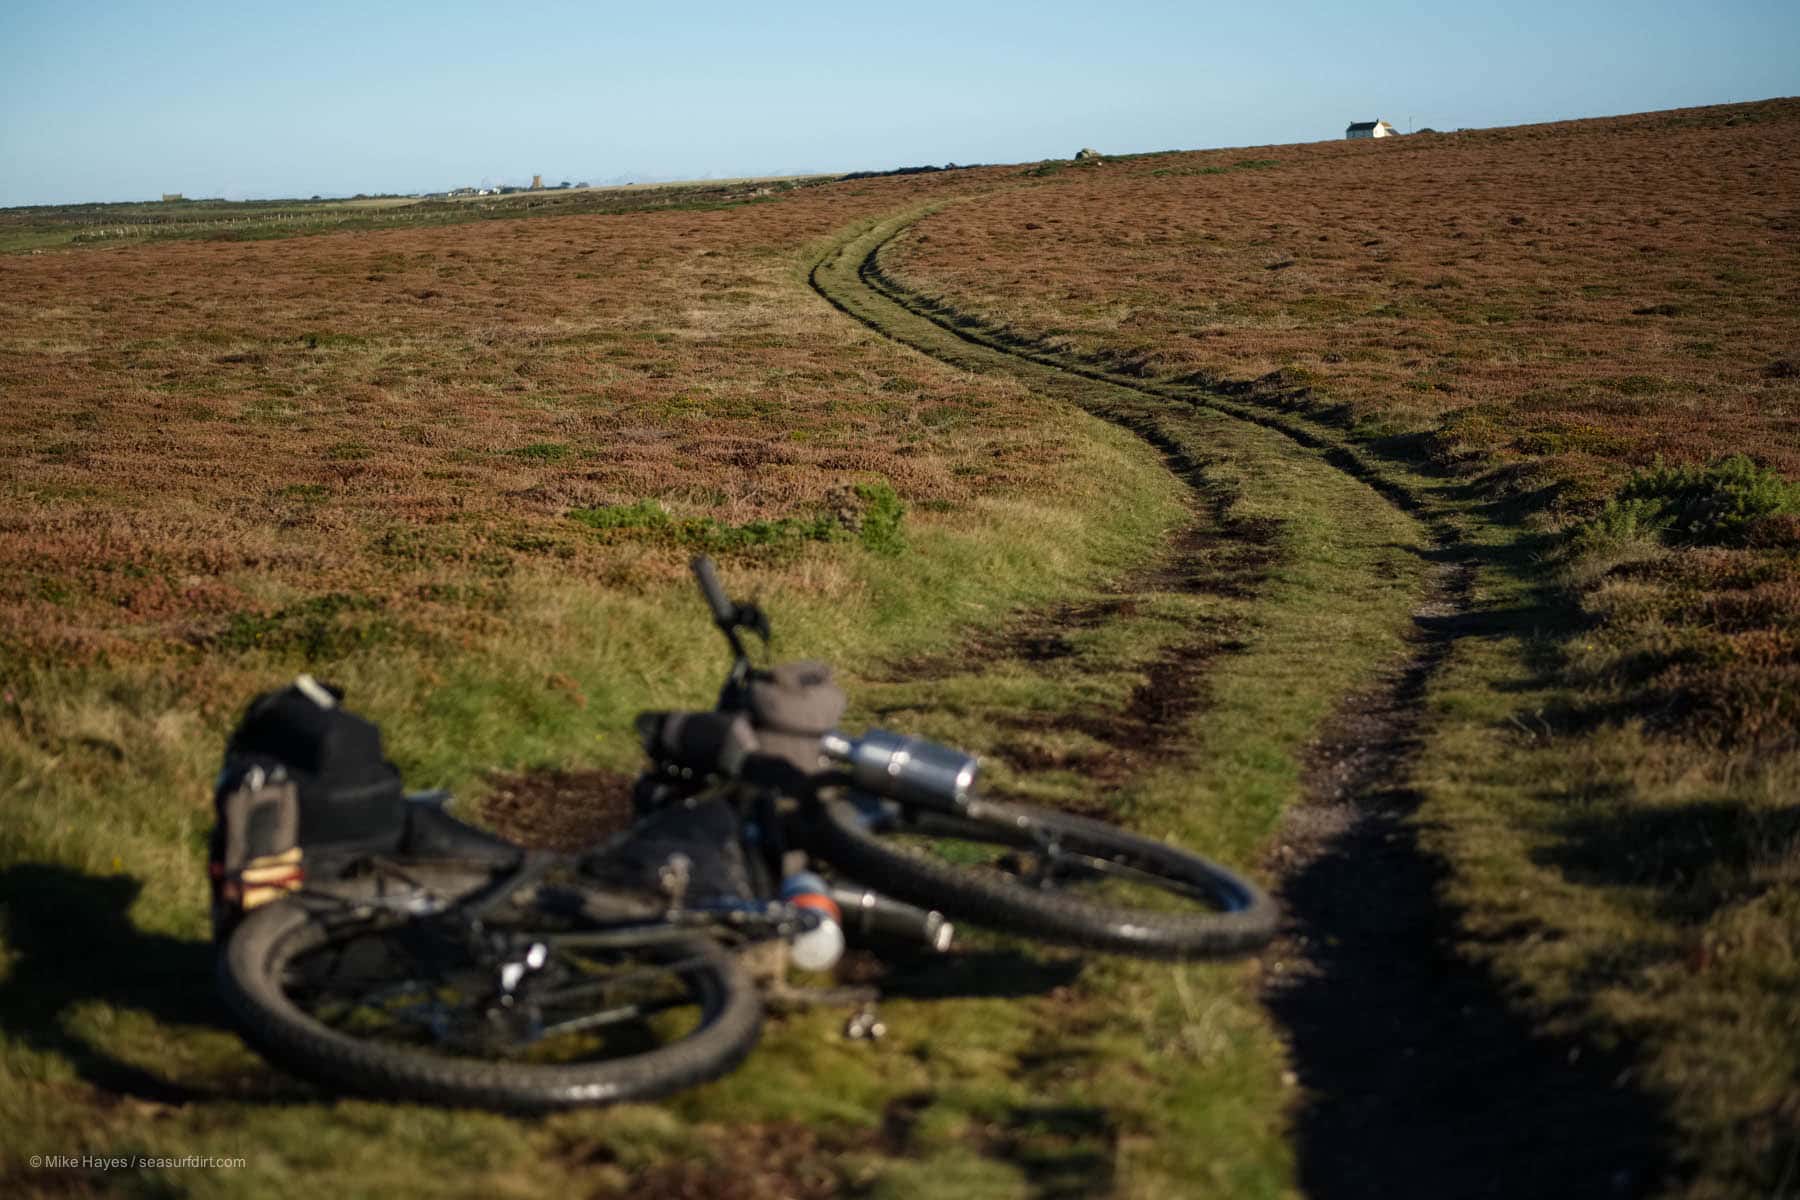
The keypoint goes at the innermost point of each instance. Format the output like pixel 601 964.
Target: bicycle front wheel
pixel 1048 875
pixel 415 1008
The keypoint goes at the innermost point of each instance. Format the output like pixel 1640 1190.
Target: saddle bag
pixel 304 784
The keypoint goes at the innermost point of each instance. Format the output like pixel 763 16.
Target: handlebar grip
pixel 724 611
pixel 709 742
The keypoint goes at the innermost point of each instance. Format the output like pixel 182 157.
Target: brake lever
pixel 730 616
pixel 752 618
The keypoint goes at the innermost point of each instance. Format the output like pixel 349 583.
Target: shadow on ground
pixel 1697 856
pixel 73 944
pixel 1420 1079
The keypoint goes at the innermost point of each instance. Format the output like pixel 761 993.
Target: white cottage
pixel 1363 129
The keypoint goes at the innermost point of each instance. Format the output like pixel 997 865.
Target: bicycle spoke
pixel 1041 862
pixel 615 1016
pixel 600 987
pixel 1113 869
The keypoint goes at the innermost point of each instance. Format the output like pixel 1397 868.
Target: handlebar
pixel 728 615
pixel 724 611
pixel 908 769
pixel 709 743
pixel 725 741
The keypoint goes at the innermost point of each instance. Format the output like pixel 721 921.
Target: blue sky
pixel 125 100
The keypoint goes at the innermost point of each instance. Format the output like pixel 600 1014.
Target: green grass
pixel 1640 897
pixel 544 452
pixel 1346 569
pixel 872 515
pixel 109 768
pixel 1109 1075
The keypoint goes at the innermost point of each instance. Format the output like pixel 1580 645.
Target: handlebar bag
pixel 302 779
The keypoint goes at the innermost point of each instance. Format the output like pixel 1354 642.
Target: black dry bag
pixel 303 782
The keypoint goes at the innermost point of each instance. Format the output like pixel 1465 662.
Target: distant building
pixel 1363 129
pixel 537 183
pixel 168 196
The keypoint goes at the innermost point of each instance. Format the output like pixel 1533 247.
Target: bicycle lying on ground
pixel 450 965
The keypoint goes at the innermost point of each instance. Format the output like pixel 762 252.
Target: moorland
pixel 1414 521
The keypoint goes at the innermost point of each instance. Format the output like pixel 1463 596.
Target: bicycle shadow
pixel 1065 1151
pixel 73 944
pixel 1698 857
pixel 906 972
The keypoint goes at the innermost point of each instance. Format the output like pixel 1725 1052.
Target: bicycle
pixel 461 968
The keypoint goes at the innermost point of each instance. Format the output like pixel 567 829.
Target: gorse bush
pixel 881 517
pixel 1714 505
pixel 1242 164
pixel 644 514
pixel 1721 504
pixel 1621 522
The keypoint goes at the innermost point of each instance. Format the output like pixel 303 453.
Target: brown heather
pixel 1602 290
pixel 1554 305
pixel 396 419
pixel 217 458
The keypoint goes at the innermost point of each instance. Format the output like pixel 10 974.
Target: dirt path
pixel 1419 1080
pixel 1216 554
pixel 1416 1078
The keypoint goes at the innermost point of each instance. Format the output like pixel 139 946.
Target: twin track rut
pixel 1415 1076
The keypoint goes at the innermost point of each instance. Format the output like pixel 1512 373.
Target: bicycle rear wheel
pixel 1049 875
pixel 416 1008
